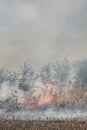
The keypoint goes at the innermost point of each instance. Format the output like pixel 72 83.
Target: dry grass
pixel 25 125
pixel 72 97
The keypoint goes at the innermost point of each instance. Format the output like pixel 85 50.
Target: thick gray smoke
pixel 57 92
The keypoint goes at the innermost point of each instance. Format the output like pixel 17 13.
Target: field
pixel 27 125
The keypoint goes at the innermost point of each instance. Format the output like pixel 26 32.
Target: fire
pixel 47 99
pixel 39 100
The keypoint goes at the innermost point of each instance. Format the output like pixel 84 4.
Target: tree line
pixel 62 72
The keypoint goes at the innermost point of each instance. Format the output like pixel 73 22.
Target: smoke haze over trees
pixel 51 72
pixel 52 85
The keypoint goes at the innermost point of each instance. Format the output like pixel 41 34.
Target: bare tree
pixel 80 67
pixel 62 72
pixel 47 73
pixel 27 77
pixel 2 75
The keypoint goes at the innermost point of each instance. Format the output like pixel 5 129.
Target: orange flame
pixel 46 99
pixel 40 100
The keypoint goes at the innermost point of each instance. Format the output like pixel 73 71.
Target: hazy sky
pixel 41 30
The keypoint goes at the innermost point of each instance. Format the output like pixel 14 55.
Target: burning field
pixel 65 99
pixel 43 64
pixel 56 93
pixel 51 105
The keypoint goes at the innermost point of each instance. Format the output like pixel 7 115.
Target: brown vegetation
pixel 71 97
pixel 25 125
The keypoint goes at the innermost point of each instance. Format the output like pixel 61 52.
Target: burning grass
pixel 56 105
pixel 72 97
pixel 76 96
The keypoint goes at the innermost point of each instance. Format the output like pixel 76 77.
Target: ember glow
pixel 40 100
pixel 41 43
pixel 47 99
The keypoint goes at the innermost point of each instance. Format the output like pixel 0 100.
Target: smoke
pixel 40 31
pixel 5 91
pixel 60 97
pixel 44 30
